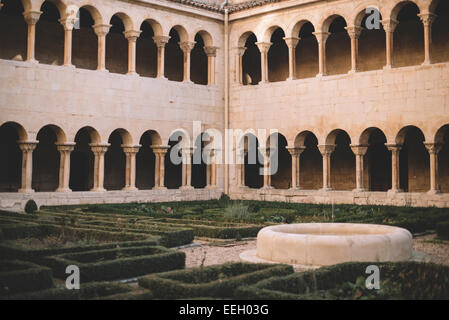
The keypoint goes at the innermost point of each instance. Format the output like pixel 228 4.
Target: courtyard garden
pixel 190 250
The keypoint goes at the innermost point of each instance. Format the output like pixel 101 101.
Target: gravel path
pixel 437 251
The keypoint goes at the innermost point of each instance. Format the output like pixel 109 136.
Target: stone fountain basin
pixel 322 244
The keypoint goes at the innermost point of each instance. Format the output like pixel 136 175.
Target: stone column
pixel 427 20
pixel 266 153
pixel 395 177
pixel 186 168
pixel 211 53
pixel 159 166
pixel 27 148
pixel 68 24
pixel 130 170
pixel 187 47
pixel 321 38
pixel 389 27
pixel 31 18
pixel 326 151
pixel 211 171
pixel 291 44
pixel 161 42
pixel 263 48
pixel 101 30
pixel 354 34
pixel 295 152
pixel 359 151
pixel 240 163
pixel 99 150
pixel 131 36
pixel 434 149
pixel 65 149
pixel 239 64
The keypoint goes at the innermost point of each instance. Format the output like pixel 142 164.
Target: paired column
pixel 159 167
pixel 65 149
pixel 239 52
pixel 263 48
pixel 354 34
pixel 161 42
pixel 130 170
pixel 27 148
pixel 427 20
pixel 131 36
pixel 295 152
pixel 389 27
pixel 31 18
pixel 99 150
pixel 266 153
pixel 187 47
pixel 101 30
pixel 211 53
pixel 186 168
pixel 68 24
pixel 211 171
pixel 395 177
pixel 326 151
pixel 359 151
pixel 291 44
pixel 321 38
pixel 434 149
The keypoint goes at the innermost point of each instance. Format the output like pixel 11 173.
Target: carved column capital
pixel 162 150
pixel 295 151
pixel 393 147
pixel 32 17
pixel 187 46
pixel 321 37
pixel 211 51
pixel 427 18
pixel 359 150
pixel 65 146
pixel 433 148
pixel 130 149
pixel 68 23
pixel 292 42
pixel 101 30
pixel 99 148
pixel 161 41
pixel 240 51
pixel 326 149
pixel 27 146
pixel 389 25
pixel 263 46
pixel 132 35
pixel 354 31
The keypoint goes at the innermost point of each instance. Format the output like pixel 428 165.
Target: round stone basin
pixel 322 244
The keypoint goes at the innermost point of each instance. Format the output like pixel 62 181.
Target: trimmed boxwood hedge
pixel 410 280
pixel 218 281
pixel 19 276
pixel 117 263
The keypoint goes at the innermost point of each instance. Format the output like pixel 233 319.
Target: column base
pixel 352 71
pixel 132 74
pixel 186 188
pixel 159 188
pixel 69 66
pixel 103 70
pixel 290 79
pixel 387 67
pixel 162 78
pixel 26 191
pixel 394 191
pixel 295 189
pixel 267 188
pixel 63 190
pixel 326 189
pixel 433 192
pixel 359 190
pixel 426 63
pixel 130 189
pixel 187 81
pixel 32 61
pixel 98 190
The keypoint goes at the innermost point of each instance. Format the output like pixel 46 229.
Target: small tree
pixel 30 206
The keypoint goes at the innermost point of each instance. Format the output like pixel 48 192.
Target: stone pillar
pixel 389 27
pixel 434 149
pixel 211 53
pixel 99 150
pixel 159 167
pixel 31 18
pixel 291 44
pixel 239 64
pixel 326 151
pixel 187 168
pixel 65 149
pixel 427 20
pixel 266 153
pixel 395 177
pixel 295 152
pixel 321 38
pixel 101 30
pixel 161 42
pixel 211 171
pixel 67 24
pixel 131 36
pixel 27 148
pixel 187 47
pixel 240 163
pixel 354 34
pixel 263 48
pixel 130 170
pixel 359 151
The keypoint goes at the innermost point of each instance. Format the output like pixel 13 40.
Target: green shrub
pixel 30 206
pixel 442 229
pixel 224 200
pixel 237 211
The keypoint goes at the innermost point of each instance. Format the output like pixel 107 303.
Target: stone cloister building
pixel 95 96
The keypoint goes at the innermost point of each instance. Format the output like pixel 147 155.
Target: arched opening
pixel 173 161
pixel 440 33
pixel 46 159
pixel 115 161
pixel 442 137
pixel 11 159
pixel 199 167
pixel 82 160
pixel 338 47
pixel 146 160
pixel 377 164
pixel 311 162
pixel 306 53
pixel 413 161
pixel 371 54
pixel 342 162
pixel 251 72
pixel 278 57
pixel 174 58
pixel 253 162
pixel 146 52
pixel 116 47
pixel 49 36
pixel 198 62
pixel 281 166
pixel 13 31
pixel 85 42
pixel 408 37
